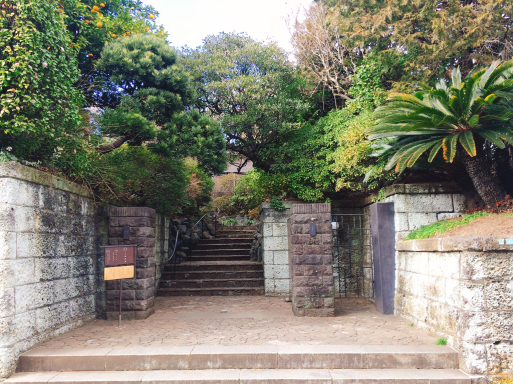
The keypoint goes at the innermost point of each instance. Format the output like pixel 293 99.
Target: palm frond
pixel 449 147
pixel 467 142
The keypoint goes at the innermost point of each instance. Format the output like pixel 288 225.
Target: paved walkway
pixel 256 320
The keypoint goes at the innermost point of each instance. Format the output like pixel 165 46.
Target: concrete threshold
pixel 265 376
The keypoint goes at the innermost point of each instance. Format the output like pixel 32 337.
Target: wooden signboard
pixel 120 255
pixel 117 273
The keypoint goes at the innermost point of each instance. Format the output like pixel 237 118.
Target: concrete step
pixel 203 247
pixel 250 376
pixel 221 291
pixel 220 251
pixel 217 274
pixel 240 357
pixel 235 257
pixel 215 265
pixel 212 283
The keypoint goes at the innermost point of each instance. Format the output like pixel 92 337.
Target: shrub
pixel 39 105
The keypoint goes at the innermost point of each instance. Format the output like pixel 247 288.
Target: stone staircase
pixel 243 364
pixel 217 267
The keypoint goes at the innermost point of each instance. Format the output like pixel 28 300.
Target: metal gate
pixel 352 255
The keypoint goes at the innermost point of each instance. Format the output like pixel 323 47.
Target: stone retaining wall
pixel 275 249
pixel 50 232
pixel 461 288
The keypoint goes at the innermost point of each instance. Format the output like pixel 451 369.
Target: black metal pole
pixel 120 290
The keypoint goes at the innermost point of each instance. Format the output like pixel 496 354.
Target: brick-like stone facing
pixel 310 258
pixel 50 233
pixel 148 232
pixel 461 288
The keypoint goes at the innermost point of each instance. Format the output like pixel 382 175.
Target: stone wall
pixel 275 249
pixel 50 232
pixel 423 204
pixel 162 223
pixel 310 259
pixel 460 288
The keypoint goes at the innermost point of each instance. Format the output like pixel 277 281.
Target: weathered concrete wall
pixel 311 261
pixel 50 232
pixel 461 288
pixel 275 249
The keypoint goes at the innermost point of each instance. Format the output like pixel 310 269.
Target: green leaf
pixel 435 150
pixel 421 149
pixel 467 141
pixel 493 137
pixel 449 147
pixel 473 121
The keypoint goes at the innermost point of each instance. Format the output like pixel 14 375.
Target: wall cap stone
pixel 132 212
pixel 449 244
pixel 18 171
pixel 311 208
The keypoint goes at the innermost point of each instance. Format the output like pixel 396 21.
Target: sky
pixel 189 21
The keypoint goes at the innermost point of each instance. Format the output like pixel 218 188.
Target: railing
pixel 215 212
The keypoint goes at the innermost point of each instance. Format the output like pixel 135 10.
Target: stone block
pixel 50 317
pixel 268 257
pixel 131 305
pixel 311 259
pixel 407 282
pixel 401 222
pixel 473 357
pixel 500 359
pixel 416 262
pixel 448 215
pixel 281 258
pixel 66 289
pixel 134 221
pixel 79 266
pixel 452 293
pixel 268 230
pixel 320 218
pixel 36 245
pixel 13 329
pixel 418 219
pixel 276 243
pixel 307 281
pixel 317 249
pixel 132 212
pixel 7 218
pixel 467 243
pixel 424 203
pixel 269 287
pixel 145 252
pixel 486 265
pixel 444 264
pixel 51 269
pixel 143 273
pixel 7 302
pixel 17 272
pixel 132 284
pixel 33 296
pixel 499 296
pixel 280 229
pixel 459 203
pixel 7 245
pixel 126 294
pixel 282 286
pixel 298 229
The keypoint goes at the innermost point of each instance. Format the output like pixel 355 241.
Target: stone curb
pixel 450 244
pixel 21 172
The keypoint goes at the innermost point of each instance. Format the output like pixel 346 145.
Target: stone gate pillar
pixel 138 294
pixel 310 260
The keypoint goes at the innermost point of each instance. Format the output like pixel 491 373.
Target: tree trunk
pixel 486 182
pixel 103 149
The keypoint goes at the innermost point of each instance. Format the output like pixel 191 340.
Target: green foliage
pixel 229 221
pixel 39 105
pixel 277 204
pixel 156 91
pixel 252 89
pixel 198 193
pixel 440 227
pixel 410 325
pixel 447 117
pixel 419 41
pixel 254 188
pixel 441 341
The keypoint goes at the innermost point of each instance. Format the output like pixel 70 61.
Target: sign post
pixel 119 265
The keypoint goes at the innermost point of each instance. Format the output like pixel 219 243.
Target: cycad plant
pixel 454 119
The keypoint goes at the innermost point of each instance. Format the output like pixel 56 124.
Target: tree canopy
pixel 250 88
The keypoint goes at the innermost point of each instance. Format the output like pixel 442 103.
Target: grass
pixel 410 325
pixel 441 342
pixel 440 227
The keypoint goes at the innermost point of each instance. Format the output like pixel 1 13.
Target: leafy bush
pixel 39 105
pixel 277 204
pixel 255 187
